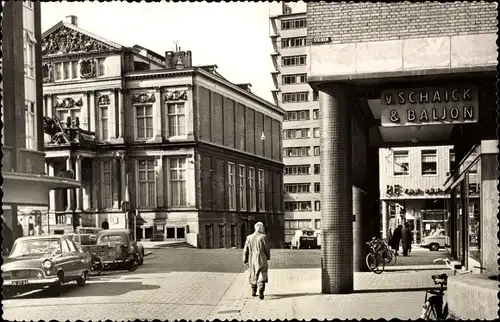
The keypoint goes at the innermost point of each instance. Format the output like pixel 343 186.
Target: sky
pixel 233 35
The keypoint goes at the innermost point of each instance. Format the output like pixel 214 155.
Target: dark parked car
pixel 114 246
pixel 44 261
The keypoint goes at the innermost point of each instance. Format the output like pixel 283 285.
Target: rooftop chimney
pixel 178 59
pixel 72 20
pixel 245 86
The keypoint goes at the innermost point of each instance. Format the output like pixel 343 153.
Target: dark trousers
pixel 260 286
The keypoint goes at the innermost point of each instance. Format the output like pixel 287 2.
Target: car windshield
pixel 111 239
pixel 437 233
pixel 35 247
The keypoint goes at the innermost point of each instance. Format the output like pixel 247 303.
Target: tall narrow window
pixel 146 182
pixel 107 201
pixel 243 188
pixel 178 182
pixel 104 123
pixel 262 198
pixel 317 151
pixel 30 120
pixel 29 56
pixel 251 189
pixel 429 162
pixel 176 119
pixel 101 67
pixel 401 163
pixel 232 187
pixel 144 119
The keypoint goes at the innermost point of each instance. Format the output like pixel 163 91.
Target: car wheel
pixel 434 247
pixel 57 286
pixel 82 279
pixel 141 258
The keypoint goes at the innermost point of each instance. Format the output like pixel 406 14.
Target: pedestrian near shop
pixel 396 239
pixel 406 238
pixel 256 253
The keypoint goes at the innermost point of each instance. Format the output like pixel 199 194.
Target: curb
pixel 147 253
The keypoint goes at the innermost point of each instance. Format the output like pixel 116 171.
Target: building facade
pixel 301 151
pixel 25 180
pixel 418 78
pixel 411 188
pixel 197 156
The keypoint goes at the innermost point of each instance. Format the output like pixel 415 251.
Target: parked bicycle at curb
pixel 433 308
pixel 380 255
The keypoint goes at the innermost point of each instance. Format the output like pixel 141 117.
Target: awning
pixel 26 189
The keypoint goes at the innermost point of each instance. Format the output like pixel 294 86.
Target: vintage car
pixel 435 241
pixel 305 238
pixel 86 235
pixel 114 246
pixel 44 261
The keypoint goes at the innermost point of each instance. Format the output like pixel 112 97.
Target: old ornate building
pixel 198 156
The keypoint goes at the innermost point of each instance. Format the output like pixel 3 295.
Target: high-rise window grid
pixel 296 170
pixel 297 188
pixel 293 42
pixel 297 206
pixel 303 151
pixel 298 224
pixel 299 115
pixel 293 23
pixel 298 60
pixel 296 134
pixel 296 97
pixel 294 79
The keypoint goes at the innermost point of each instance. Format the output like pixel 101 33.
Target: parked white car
pixel 435 241
pixel 306 238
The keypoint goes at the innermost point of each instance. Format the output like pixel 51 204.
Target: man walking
pixel 406 239
pixel 255 256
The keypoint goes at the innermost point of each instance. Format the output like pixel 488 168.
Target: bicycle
pixel 129 259
pixel 433 308
pixel 374 259
pixel 388 255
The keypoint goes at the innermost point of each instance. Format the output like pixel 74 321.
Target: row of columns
pixel 93 112
pixel 118 174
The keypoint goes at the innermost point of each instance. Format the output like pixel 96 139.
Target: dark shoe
pixel 254 291
pixel 261 296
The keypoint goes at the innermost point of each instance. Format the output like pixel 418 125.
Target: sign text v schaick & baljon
pixel 429 106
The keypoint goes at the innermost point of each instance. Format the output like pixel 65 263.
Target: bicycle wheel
pixel 428 312
pixel 374 264
pixel 386 256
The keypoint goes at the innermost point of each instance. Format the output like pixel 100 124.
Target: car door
pixel 80 262
pixel 69 258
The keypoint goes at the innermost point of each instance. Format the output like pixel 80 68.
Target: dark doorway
pixel 221 236
pixel 105 225
pixel 243 233
pixel 208 236
pixel 170 232
pixel 233 235
pixel 181 232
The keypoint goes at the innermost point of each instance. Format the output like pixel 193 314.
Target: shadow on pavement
pixel 97 288
pixel 395 290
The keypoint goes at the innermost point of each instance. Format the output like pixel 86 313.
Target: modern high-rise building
pixel 301 151
pixel 25 180
pixel 197 156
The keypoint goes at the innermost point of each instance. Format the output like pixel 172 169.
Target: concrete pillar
pixel 384 219
pixel 361 230
pixel 336 193
pixel 69 192
pixel 52 193
pixel 78 177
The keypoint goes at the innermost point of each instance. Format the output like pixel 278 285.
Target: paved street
pixel 207 284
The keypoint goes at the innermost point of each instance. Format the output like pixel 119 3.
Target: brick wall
pixel 358 22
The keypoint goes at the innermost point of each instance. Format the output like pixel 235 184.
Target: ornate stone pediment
pixel 175 96
pixel 66 40
pixel 143 98
pixel 103 100
pixel 68 102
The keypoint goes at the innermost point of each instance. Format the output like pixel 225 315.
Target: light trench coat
pixel 256 253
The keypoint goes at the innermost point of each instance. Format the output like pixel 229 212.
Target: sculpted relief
pixel 175 96
pixel 67 40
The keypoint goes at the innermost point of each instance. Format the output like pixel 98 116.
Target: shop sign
pixel 429 106
pixel 321 40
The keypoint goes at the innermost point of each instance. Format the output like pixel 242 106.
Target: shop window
pixel 474 218
pixel 429 162
pixel 401 163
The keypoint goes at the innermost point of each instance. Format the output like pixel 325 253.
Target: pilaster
pixel 78 177
pixel 159 181
pixel 69 192
pixel 157 119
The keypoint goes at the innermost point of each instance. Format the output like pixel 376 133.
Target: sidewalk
pixel 296 293
pixel 159 244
